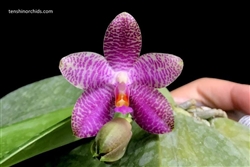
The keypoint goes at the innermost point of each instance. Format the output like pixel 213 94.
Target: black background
pixel 210 38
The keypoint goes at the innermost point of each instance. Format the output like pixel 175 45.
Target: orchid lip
pixel 122 95
pixel 124 110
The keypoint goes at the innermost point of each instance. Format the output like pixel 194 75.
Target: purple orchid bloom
pixel 121 81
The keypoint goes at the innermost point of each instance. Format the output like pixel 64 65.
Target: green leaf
pixel 57 135
pixel 36 99
pixel 15 135
pixel 239 134
pixel 32 115
pixel 191 143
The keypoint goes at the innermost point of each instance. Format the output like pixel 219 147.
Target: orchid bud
pixel 111 141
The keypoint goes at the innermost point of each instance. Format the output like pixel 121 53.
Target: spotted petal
pixel 157 69
pixel 86 70
pixel 152 112
pixel 92 110
pixel 122 42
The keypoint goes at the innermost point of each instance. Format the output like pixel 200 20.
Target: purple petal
pixel 152 111
pixel 92 110
pixel 122 42
pixel 157 69
pixel 86 70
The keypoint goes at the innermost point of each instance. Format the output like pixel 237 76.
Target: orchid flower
pixel 121 81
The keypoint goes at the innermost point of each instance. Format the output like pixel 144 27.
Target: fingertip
pixel 216 93
pixel 240 96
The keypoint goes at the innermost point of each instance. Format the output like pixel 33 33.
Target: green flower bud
pixel 111 141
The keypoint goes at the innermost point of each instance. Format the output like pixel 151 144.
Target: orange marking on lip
pixel 121 100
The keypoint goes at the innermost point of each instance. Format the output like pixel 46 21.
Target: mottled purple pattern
pixel 122 42
pixel 152 112
pixel 91 111
pixel 157 69
pixel 86 70
pixel 124 110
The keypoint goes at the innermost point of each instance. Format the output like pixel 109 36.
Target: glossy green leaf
pixel 239 134
pixel 15 135
pixel 191 143
pixel 36 99
pixel 32 114
pixel 57 135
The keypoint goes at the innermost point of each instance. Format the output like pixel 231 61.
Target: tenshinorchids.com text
pixel 31 11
